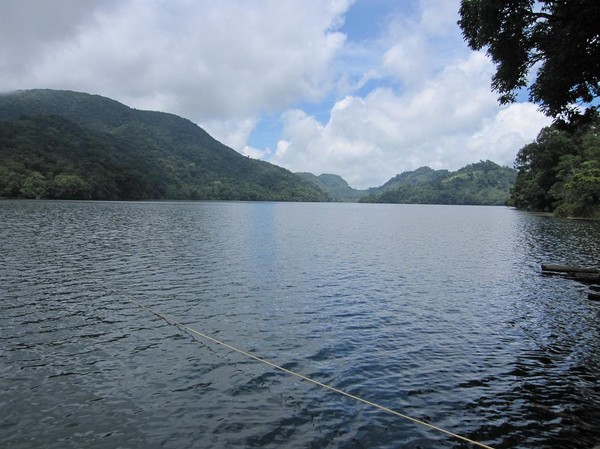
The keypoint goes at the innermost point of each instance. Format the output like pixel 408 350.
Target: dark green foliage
pixel 483 183
pixel 558 38
pixel 560 171
pixel 60 144
pixel 68 186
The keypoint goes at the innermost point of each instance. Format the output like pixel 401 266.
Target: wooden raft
pixel 581 274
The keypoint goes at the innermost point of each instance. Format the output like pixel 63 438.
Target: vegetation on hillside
pixel 482 183
pixel 60 144
pixel 560 171
pixel 422 175
pixel 336 187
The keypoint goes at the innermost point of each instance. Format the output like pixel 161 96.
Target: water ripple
pixel 437 312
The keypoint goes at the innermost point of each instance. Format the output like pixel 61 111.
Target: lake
pixel 438 312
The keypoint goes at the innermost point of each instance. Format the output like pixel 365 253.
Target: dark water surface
pixel 438 312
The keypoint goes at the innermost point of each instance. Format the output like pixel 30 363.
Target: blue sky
pixel 365 89
pixel 366 18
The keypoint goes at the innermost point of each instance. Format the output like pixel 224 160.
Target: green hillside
pixel 335 187
pixel 482 183
pixel 62 144
pixel 421 175
pixel 560 171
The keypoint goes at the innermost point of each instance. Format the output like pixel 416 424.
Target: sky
pixel 364 89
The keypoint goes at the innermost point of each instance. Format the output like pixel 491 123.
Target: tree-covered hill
pixel 421 175
pixel 482 183
pixel 560 171
pixel 336 187
pixel 62 144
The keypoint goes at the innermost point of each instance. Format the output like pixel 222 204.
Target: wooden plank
pixel 590 278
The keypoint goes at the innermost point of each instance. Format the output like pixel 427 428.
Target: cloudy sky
pixel 365 89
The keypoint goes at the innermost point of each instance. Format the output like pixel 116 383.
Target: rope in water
pixel 300 376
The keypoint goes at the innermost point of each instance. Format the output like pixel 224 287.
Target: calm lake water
pixel 438 312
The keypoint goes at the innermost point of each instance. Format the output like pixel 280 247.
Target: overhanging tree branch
pixel 562 40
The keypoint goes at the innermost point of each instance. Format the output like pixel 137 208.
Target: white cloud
pixel 205 60
pixel 256 153
pixel 420 45
pixel 438 17
pixel 408 60
pixel 233 133
pixel 438 109
pixel 511 128
pixel 28 28
pixel 452 120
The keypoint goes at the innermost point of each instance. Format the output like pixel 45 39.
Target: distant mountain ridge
pixel 419 176
pixel 63 144
pixel 482 183
pixel 335 186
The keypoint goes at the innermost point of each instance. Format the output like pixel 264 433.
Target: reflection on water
pixel 438 312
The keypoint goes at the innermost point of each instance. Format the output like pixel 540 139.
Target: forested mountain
pixel 482 183
pixel 421 175
pixel 560 171
pixel 336 187
pixel 62 144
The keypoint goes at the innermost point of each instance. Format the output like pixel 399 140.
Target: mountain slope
pixel 62 144
pixel 482 183
pixel 421 175
pixel 335 186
